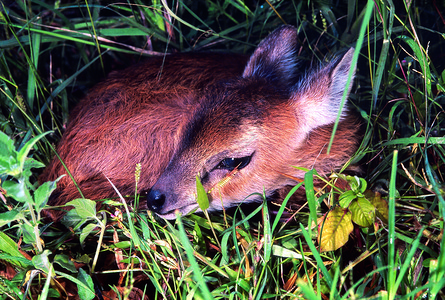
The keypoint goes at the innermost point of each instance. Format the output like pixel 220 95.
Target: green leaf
pixel 84 208
pixel 18 191
pixel 8 156
pixel 123 245
pixel 7 245
pixel 6 145
pixel 86 231
pixel 363 212
pixel 233 275
pixel 201 195
pixel 32 163
pixel 197 274
pixel 198 240
pixel 23 153
pixel 41 261
pixel 16 163
pixel 64 261
pixel 357 184
pixel 363 185
pixel 346 198
pixel 13 287
pixel 72 219
pixel 41 195
pixel 9 216
pixel 310 196
pixel 244 284
pixel 153 13
pixel 85 290
pixel 29 236
pixel 334 229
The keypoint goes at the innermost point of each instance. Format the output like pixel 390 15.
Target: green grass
pixel 50 56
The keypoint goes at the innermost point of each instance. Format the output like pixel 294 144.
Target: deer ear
pixel 317 98
pixel 274 58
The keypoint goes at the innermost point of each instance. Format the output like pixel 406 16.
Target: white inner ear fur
pixel 317 97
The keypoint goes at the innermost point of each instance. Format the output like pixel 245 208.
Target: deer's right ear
pixel 274 59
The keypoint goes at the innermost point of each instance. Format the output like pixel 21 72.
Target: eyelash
pixel 232 163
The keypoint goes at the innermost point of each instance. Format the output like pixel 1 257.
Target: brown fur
pixel 182 115
pixel 144 107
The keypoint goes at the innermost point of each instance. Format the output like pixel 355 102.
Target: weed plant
pixel 379 235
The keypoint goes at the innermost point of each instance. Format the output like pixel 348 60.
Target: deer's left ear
pixel 317 98
pixel 274 59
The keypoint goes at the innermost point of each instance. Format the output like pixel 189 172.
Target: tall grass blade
pixel 392 271
pixel 326 275
pixel 197 273
pixel 310 196
pixel 358 46
pixel 381 65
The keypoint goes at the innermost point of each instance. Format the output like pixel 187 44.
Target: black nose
pixel 155 200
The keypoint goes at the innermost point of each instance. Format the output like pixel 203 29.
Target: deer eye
pixel 232 163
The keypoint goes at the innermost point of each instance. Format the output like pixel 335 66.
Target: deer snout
pixel 155 200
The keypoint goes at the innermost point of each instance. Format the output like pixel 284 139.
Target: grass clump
pixel 51 53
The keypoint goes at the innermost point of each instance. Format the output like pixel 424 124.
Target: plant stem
pixel 99 242
pixel 36 228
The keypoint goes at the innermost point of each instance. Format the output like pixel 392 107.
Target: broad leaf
pixel 84 208
pixel 31 163
pixel 42 194
pixel 363 212
pixel 346 198
pixel 23 153
pixel 16 163
pixel 72 219
pixel 357 184
pixel 29 237
pixel 8 156
pixel 9 216
pixel 41 261
pixel 85 290
pixel 86 231
pixel 334 229
pixel 18 191
pixel 65 262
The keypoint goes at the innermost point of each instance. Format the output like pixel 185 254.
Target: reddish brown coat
pixel 189 114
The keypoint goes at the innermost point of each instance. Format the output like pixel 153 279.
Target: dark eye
pixel 232 163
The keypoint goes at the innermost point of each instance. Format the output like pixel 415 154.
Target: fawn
pixel 241 124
